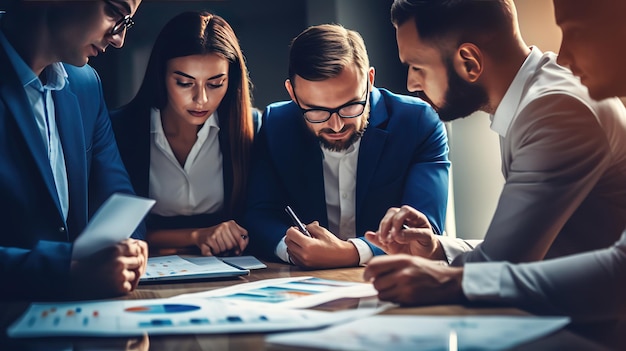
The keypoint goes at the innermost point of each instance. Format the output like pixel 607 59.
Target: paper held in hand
pixel 114 221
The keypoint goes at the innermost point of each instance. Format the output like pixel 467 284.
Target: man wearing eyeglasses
pixel 59 161
pixel 340 153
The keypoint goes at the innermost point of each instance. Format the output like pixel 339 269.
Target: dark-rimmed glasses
pixel 321 114
pixel 125 21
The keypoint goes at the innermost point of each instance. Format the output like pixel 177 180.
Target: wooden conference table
pixel 9 311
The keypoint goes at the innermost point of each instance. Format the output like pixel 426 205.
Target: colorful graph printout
pixel 165 316
pixel 299 292
pixel 162 308
pixel 174 267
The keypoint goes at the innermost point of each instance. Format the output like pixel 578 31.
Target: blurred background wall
pixel 265 29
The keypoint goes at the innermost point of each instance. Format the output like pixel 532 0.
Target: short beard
pixel 341 145
pixel 344 145
pixel 461 99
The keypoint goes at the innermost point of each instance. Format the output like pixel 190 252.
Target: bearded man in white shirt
pixel 562 112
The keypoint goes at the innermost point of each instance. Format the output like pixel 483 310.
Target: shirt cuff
pixel 453 247
pixel 281 251
pixel 481 281
pixel 365 253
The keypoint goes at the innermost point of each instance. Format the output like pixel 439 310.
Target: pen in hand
pixel 297 222
pixel 388 236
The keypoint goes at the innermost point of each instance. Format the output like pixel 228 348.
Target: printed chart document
pixel 114 221
pixel 298 292
pixel 165 316
pixel 174 267
pixel 425 333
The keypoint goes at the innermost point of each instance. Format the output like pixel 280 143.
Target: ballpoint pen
pixel 297 222
pixel 404 227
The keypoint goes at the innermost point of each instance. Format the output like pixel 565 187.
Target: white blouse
pixel 196 188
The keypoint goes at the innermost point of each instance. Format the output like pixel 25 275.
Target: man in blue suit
pixel 340 153
pixel 58 158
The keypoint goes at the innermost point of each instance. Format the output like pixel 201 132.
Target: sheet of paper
pixel 298 292
pixel 425 333
pixel 174 267
pixel 165 316
pixel 245 262
pixel 114 221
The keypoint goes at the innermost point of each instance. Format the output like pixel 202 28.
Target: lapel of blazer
pixel 301 165
pixel 72 135
pixel 372 145
pixel 131 125
pixel 312 178
pixel 20 110
pixel 138 129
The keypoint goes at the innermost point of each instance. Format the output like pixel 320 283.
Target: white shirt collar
pixel 506 112
pixel 157 127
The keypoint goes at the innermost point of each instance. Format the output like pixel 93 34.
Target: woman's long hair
pixel 197 33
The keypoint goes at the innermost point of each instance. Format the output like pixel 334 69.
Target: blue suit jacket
pixel 403 159
pixel 35 240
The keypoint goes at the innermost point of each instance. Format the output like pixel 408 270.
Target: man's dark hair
pixel 323 51
pixel 455 21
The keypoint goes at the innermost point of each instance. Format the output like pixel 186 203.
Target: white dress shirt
pixel 600 144
pixel 545 181
pixel 505 114
pixel 196 188
pixel 340 169
pixel 339 189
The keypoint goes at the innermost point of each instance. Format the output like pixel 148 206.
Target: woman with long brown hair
pixel 186 137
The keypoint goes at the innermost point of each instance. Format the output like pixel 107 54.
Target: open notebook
pixel 174 267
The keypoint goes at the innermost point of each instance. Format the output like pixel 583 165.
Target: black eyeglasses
pixel 125 21
pixel 350 110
